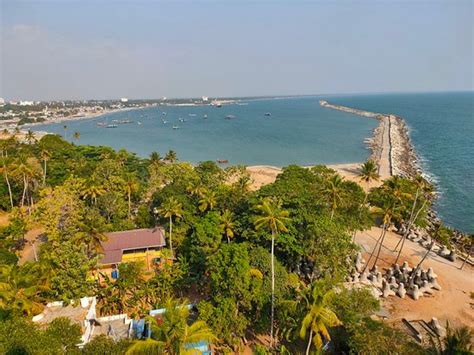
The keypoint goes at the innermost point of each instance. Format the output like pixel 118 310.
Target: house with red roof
pixel 133 245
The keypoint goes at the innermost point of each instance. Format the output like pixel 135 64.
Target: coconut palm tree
pixel 334 192
pixel 30 137
pixel 388 211
pixel 274 219
pixel 169 209
pixel 5 167
pixel 368 172
pixel 93 192
pixel 45 156
pixel 318 319
pixel 197 190
pixel 172 334
pixel 171 156
pixel 155 158
pixel 208 201
pixel 76 135
pixel 24 171
pixel 131 186
pixel 422 188
pixel 20 288
pixel 227 224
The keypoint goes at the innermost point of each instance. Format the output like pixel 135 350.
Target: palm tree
pixel 93 192
pixel 169 209
pixel 171 156
pixel 470 239
pixel 334 192
pixel 423 188
pixel 24 170
pixel 30 137
pixel 76 135
pixel 227 224
pixel 318 319
pixel 458 341
pixel 45 156
pixel 172 334
pixel 20 288
pixel 273 218
pixel 388 211
pixel 368 172
pixel 5 165
pixel 208 201
pixel 197 190
pixel 131 186
pixel 155 158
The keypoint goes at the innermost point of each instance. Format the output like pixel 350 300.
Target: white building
pixel 124 99
pixel 2 101
pixel 205 98
pixel 26 103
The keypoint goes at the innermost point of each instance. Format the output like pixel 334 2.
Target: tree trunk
pixel 421 261
pixel 380 245
pixel 5 174
pixel 308 347
pixel 405 235
pixel 272 314
pixel 25 187
pixel 332 213
pixel 44 173
pixel 467 256
pixel 375 247
pixel 410 221
pixel 129 204
pixel 171 240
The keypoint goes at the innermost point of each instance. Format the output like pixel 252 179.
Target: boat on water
pixel 163 113
pixel 112 125
pixel 268 114
pixel 222 161
pixel 229 117
pixel 164 122
pixel 101 124
pixel 139 123
pixel 192 115
pixel 181 119
pixel 175 127
pixel 205 116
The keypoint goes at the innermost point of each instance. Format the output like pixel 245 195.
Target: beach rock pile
pixel 398 280
pixel 422 237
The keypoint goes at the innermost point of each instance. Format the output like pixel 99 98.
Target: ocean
pixel 299 131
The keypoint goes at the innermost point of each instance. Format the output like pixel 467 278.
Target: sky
pixel 102 49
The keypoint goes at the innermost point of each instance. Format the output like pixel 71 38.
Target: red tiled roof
pixel 132 239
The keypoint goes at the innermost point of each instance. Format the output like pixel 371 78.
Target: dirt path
pixel 385 169
pixel 33 244
pixel 452 303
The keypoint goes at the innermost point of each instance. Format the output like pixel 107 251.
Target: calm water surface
pixel 299 131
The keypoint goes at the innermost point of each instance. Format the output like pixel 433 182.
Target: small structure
pixel 133 245
pixel 124 99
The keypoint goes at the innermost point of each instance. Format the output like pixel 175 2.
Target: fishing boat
pixel 163 113
pixel 205 116
pixel 222 161
pixel 164 121
pixel 112 126
pixel 229 117
pixel 192 115
pixel 181 119
pixel 139 123
pixel 268 114
pixel 175 127
pixel 101 124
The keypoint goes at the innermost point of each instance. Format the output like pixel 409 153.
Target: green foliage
pixel 103 345
pixel 20 336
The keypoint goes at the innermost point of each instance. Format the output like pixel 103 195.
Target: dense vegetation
pixel 264 268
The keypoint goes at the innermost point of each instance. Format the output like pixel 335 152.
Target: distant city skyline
pixel 52 50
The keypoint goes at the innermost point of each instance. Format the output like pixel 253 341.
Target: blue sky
pixel 147 49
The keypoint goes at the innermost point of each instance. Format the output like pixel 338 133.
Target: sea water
pixel 298 131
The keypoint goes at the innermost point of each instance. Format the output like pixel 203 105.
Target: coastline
pixel 391 145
